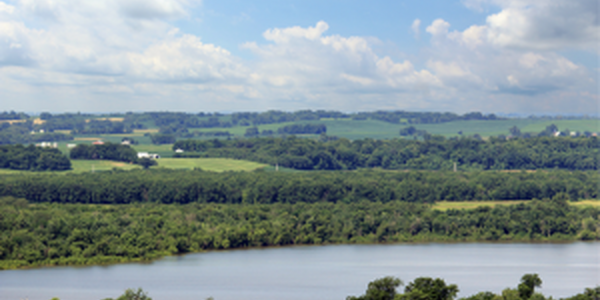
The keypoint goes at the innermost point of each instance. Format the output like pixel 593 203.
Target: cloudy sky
pixel 493 56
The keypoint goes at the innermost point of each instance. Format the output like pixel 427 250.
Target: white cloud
pixel 84 54
pixel 416 27
pixel 6 9
pixel 544 25
pixel 438 27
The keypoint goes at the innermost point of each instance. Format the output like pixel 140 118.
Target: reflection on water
pixel 320 272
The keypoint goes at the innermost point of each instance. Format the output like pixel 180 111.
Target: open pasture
pixel 209 164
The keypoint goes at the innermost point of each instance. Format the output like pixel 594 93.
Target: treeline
pixel 303 129
pixel 187 186
pixel 20 133
pixel 31 158
pixel 69 234
pixel 176 122
pixel 436 153
pixel 12 115
pixel 436 289
pixel 106 151
pixel 405 117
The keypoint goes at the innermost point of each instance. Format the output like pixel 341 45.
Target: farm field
pixel 358 129
pixel 209 164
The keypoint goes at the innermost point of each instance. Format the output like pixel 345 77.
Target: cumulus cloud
pixel 438 27
pixel 305 63
pixel 86 54
pixel 543 25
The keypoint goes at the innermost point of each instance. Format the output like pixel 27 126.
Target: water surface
pixel 318 272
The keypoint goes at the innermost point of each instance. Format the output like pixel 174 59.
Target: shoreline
pixel 152 260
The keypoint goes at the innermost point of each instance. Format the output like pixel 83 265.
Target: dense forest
pixel 31 158
pixel 188 186
pixel 73 234
pixel 434 154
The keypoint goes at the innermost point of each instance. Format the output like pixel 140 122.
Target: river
pixel 316 272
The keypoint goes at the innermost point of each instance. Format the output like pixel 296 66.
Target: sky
pixel 492 56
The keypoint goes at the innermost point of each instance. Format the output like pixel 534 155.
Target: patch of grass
pixel 209 164
pixel 584 203
pixel 446 205
pixel 80 166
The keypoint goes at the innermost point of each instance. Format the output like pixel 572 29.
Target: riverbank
pixel 41 234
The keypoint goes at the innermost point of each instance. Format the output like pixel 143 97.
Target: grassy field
pixel 355 129
pixel 445 205
pixel 80 166
pixel 209 164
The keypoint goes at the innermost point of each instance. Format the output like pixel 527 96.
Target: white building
pixel 148 155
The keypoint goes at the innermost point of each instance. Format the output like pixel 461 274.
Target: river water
pixel 316 272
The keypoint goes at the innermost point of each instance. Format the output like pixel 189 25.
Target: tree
pixel 132 295
pixel 380 289
pixel 528 284
pixel 430 289
pixel 147 162
pixel 515 131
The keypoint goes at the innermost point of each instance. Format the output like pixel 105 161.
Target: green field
pixel 80 166
pixel 209 164
pixel 358 129
pixel 446 205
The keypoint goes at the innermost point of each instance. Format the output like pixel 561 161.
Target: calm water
pixel 321 272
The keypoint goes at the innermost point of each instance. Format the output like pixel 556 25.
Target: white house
pixel 148 155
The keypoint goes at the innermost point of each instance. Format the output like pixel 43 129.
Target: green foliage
pixel 160 138
pixel 185 186
pixel 433 153
pixel 426 288
pixel 75 234
pixel 107 151
pixel 19 157
pixel 430 289
pixel 528 284
pixel 132 295
pixel 303 129
pixel 147 162
pixel 380 289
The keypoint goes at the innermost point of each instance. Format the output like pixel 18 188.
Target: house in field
pixel 47 145
pixel 98 142
pixel 148 155
pixel 178 150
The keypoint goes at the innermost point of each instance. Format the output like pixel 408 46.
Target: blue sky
pixel 494 56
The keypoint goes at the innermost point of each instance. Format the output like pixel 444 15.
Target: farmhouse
pixel 148 155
